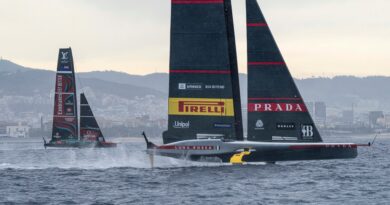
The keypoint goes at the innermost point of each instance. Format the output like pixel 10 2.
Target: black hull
pixel 251 151
pixel 276 156
pixel 296 155
pixel 81 145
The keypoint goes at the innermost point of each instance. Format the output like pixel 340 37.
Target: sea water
pixel 29 174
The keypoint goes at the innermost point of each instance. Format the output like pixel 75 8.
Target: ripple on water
pixel 123 176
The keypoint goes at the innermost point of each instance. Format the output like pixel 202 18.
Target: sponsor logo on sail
pixel 57 135
pixel 69 111
pixel 259 125
pixel 181 125
pixel 89 135
pixel 190 86
pixel 217 87
pixel 69 101
pixel 182 86
pixel 277 107
pixel 285 126
pixel 65 68
pixel 201 106
pixel 69 119
pixel 307 131
pixel 222 125
pixel 64 57
pixel 92 132
pixel 59 96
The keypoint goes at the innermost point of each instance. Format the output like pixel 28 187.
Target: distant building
pixel 375 118
pixel 318 112
pixel 387 121
pixel 3 129
pixel 21 131
pixel 347 117
pixel 310 107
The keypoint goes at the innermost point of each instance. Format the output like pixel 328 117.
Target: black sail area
pixel 276 110
pixel 65 124
pixel 204 99
pixel 89 128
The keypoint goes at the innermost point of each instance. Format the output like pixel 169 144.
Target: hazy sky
pixel 317 37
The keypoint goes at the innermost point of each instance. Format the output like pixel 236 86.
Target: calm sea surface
pixel 30 174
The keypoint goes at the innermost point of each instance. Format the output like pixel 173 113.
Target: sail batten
pixel 276 110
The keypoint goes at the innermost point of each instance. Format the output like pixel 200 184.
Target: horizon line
pixel 162 72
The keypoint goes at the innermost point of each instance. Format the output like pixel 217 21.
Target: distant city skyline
pixel 317 38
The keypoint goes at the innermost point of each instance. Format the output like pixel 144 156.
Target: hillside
pixel 21 86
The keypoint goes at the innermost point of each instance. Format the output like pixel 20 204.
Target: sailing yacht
pixel 204 116
pixel 66 132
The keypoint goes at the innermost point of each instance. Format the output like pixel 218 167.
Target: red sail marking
pixel 202 71
pixel 197 1
pixel 257 24
pixel 277 107
pixel 298 99
pixel 298 147
pixel 266 63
